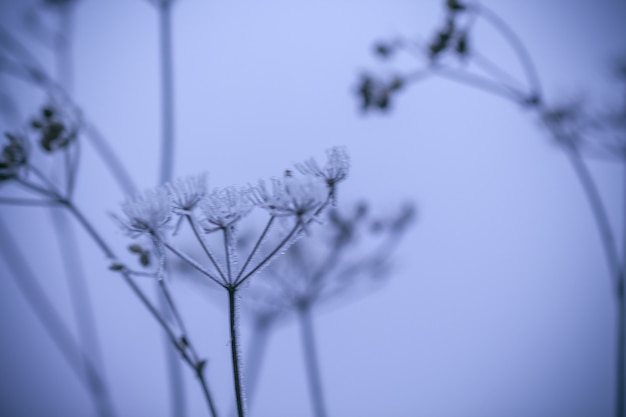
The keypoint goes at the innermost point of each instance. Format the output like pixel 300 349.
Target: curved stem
pixel 479 83
pixel 311 361
pixel 599 214
pixel 515 42
pixel 234 350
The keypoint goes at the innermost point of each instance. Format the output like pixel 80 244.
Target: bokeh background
pixel 500 300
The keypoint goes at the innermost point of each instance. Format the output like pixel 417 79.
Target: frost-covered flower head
pixel 147 212
pixel 223 207
pixel 186 193
pixel 298 196
pixel 336 168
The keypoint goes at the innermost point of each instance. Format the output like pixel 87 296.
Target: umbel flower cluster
pixel 292 203
pixel 295 200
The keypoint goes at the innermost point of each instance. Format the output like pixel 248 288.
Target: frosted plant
pixel 225 206
pixel 335 170
pixel 146 213
pixel 337 261
pixel 297 200
pixel 299 196
pixel 186 193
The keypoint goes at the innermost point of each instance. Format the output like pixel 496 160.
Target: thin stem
pixel 205 388
pixel 155 313
pixel 286 240
pixel 204 245
pixel 620 377
pixel 79 294
pixel 168 296
pixel 493 69
pixel 52 322
pixel 36 188
pixel 234 350
pixel 479 83
pixel 599 214
pixel 311 360
pixel 51 187
pixel 174 369
pixel 167 91
pixel 27 202
pixel 228 255
pixel 516 44
pixel 256 246
pixel 193 263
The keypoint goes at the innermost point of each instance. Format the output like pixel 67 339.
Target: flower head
pixel 336 168
pixel 148 212
pixel 299 196
pixel 186 193
pixel 223 207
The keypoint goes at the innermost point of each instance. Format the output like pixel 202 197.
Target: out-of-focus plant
pixel 453 53
pixel 335 263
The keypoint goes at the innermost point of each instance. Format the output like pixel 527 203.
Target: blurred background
pixel 499 301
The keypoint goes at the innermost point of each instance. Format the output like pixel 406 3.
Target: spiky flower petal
pixel 186 193
pixel 147 212
pixel 299 196
pixel 223 207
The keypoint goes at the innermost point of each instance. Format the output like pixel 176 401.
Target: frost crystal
pixel 291 196
pixel 335 170
pixel 188 192
pixel 146 213
pixel 223 207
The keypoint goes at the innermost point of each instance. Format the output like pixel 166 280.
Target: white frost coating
pixel 336 168
pixel 298 196
pixel 186 193
pixel 148 212
pixel 225 206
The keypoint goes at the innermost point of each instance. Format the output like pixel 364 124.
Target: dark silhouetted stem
pixel 155 313
pixel 311 361
pixel 620 354
pixel 234 350
pixel 205 389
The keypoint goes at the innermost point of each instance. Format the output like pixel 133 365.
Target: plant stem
pixel 79 293
pixel 620 351
pixel 311 360
pixel 52 322
pixel 155 313
pixel 166 168
pixel 167 91
pixel 234 350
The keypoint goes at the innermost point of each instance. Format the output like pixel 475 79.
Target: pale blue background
pixel 500 304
